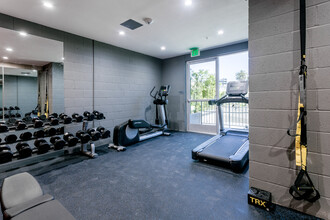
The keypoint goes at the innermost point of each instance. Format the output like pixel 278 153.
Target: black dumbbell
pixel 98 115
pixel 77 117
pixel 11 108
pixel 95 135
pixel 42 146
pixel 18 115
pixel 53 121
pixel 24 150
pixel 60 130
pixel 50 131
pixel 6 116
pixel 42 117
pixel 55 115
pixel 104 133
pixel 66 119
pixel 39 134
pixel 3 128
pixel 20 125
pixel 35 112
pixel 25 136
pixel 89 116
pixel 57 142
pixel 6 155
pixel 37 123
pixel 70 139
pixel 83 136
pixel 12 138
pixel 17 108
pixel 5 108
pixel 27 118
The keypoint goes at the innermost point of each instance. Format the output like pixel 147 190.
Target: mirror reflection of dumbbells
pixel 9 112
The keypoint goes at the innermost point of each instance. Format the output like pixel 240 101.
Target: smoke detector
pixel 148 20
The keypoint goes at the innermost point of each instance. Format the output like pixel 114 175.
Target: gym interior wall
pixel 98 76
pixel 274 60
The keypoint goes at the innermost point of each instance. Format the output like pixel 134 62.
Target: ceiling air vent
pixel 131 24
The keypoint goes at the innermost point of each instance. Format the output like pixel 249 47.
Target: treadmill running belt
pixel 225 146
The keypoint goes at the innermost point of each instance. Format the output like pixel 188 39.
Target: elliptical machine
pixel 133 131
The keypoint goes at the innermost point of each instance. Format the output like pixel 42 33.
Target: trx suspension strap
pixel 303 187
pixel 46 100
pixel 38 108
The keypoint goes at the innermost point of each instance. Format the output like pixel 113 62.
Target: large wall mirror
pixel 31 75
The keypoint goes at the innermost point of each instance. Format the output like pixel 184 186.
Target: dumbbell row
pixel 11 108
pixel 52 120
pixel 95 134
pixel 17 115
pixel 26 136
pixel 42 146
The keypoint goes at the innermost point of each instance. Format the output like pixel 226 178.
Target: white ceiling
pixel 175 25
pixel 29 50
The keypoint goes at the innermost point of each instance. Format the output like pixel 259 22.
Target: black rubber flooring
pixel 155 179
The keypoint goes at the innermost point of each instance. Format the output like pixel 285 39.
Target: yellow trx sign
pixel 258 202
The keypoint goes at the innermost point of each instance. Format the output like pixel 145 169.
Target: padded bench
pixel 22 198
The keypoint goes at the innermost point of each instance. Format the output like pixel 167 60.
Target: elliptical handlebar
pixel 155 95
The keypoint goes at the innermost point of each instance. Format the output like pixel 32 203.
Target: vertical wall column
pixel 274 59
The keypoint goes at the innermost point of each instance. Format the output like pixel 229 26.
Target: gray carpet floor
pixel 155 179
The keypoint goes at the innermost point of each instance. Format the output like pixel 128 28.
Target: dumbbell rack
pixel 35 158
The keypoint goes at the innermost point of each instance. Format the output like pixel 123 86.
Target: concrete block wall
pixel 274 59
pixel 121 81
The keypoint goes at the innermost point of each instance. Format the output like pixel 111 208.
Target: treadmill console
pixel 237 88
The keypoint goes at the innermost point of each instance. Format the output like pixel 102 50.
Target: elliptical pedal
pixel 118 148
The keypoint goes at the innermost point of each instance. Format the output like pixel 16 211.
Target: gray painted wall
pixel 174 73
pixel 57 82
pixel 122 78
pixel 274 50
pixel 21 91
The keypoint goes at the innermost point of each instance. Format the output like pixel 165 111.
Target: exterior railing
pixel 235 115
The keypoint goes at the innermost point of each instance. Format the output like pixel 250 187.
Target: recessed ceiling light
pixel 163 48
pixel 188 2
pixel 22 33
pixel 34 70
pixel 5 58
pixel 48 5
pixel 220 32
pixel 9 49
pixel 122 33
pixel 63 58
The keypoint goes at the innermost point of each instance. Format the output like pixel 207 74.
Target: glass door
pixel 234 67
pixel 202 87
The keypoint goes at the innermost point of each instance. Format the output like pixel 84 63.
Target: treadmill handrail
pixel 229 99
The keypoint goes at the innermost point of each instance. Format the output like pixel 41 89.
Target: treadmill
pixel 230 148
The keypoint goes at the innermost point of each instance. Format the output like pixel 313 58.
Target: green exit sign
pixel 195 52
